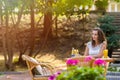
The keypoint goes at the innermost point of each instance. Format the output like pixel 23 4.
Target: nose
pixel 93 36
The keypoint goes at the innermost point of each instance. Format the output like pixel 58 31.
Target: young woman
pixel 98 43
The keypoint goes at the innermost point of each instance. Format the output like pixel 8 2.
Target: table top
pixel 108 59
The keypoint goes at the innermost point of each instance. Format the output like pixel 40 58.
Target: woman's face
pixel 95 35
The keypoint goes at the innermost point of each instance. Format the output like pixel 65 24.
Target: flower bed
pixel 75 72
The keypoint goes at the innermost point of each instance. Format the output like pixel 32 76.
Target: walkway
pixel 26 76
pixel 15 76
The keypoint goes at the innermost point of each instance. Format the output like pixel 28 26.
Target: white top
pixel 93 50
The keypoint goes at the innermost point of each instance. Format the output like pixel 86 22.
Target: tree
pixel 9 36
pixel 49 8
pixel 47 31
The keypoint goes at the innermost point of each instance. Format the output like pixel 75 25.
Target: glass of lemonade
pixel 105 53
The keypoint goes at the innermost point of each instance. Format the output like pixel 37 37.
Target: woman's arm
pixel 103 47
pixel 86 51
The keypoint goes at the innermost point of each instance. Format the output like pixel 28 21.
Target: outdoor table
pixel 108 59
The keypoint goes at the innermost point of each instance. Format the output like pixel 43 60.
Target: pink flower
pixel 88 58
pixel 72 62
pixel 53 77
pixel 57 73
pixel 99 62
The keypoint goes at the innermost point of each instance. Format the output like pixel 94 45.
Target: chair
pixel 43 69
pixel 82 62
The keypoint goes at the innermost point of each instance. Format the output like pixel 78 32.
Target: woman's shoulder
pixel 89 43
pixel 104 43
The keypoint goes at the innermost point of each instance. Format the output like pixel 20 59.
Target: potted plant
pixel 105 23
pixel 75 72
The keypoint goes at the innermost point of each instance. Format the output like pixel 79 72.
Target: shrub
pixel 105 23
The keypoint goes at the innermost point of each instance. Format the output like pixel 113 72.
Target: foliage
pixel 113 69
pixel 105 23
pixel 10 5
pixel 58 6
pixel 117 0
pixel 63 7
pixel 101 4
pixel 68 6
pixel 13 12
pixel 81 73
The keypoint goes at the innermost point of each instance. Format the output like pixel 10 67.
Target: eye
pixel 95 34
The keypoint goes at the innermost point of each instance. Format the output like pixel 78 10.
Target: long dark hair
pixel 101 36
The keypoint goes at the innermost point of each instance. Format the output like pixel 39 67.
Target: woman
pixel 96 46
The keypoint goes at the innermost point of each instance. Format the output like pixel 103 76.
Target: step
pixel 118 32
pixel 118 13
pixel 115 65
pixel 116 61
pixel 109 77
pixel 116 53
pixel 117 49
pixel 113 13
pixel 113 73
pixel 115 56
pixel 116 23
pixel 116 17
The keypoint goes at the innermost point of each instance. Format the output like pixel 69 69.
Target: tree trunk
pixel 56 26
pixel 22 46
pixel 4 47
pixel 83 25
pixel 19 16
pixel 21 50
pixel 1 16
pixel 9 45
pixel 32 38
pixel 47 31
